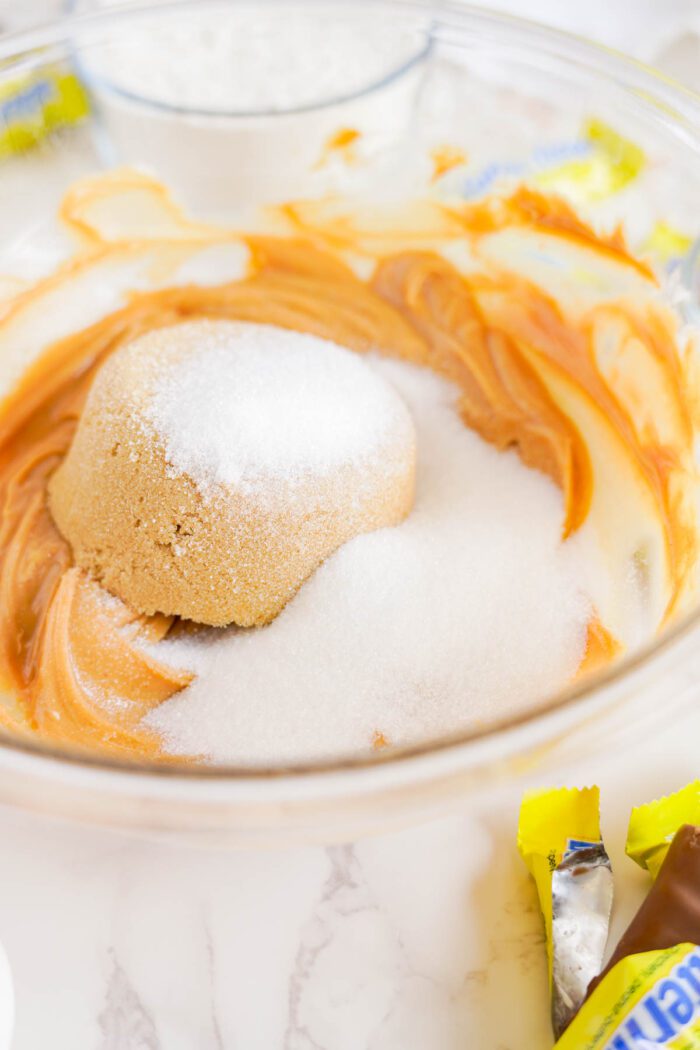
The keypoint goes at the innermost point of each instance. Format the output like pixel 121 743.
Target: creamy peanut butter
pixel 592 390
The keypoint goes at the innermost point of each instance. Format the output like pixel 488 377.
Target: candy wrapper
pixel 559 840
pixel 652 827
pixel 34 105
pixel 648 1001
pixel 649 993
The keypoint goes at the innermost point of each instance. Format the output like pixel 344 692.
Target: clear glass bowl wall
pixel 512 96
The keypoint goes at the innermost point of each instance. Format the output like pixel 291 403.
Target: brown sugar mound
pixel 217 464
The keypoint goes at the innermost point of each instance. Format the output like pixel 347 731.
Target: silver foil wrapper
pixel 582 894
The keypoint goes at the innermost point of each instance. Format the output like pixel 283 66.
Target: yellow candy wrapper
pixel 652 826
pixel 650 1000
pixel 34 105
pixel 559 840
pixel 613 162
pixel 667 243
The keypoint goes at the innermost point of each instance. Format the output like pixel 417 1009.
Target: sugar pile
pixel 470 609
pixel 251 406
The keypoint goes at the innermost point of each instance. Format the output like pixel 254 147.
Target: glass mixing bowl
pixel 514 100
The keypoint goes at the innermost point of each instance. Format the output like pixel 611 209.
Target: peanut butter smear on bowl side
pixel 557 340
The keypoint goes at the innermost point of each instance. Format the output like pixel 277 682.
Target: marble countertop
pixel 428 938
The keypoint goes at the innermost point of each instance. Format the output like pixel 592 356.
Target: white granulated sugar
pixel 470 609
pixel 255 61
pixel 253 406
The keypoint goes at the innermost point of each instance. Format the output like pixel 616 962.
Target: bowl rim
pixel 680 107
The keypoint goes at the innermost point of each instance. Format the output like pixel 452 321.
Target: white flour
pixel 256 61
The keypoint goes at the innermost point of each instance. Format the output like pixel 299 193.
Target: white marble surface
pixel 425 939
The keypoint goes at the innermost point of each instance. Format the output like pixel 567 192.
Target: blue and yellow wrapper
pixel 34 105
pixel 646 1002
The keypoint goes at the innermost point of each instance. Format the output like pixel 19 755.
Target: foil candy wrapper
pixel 559 839
pixel 582 895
